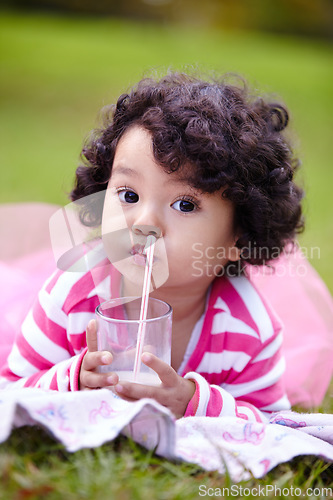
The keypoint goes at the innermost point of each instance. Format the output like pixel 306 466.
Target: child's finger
pixel 91 335
pixel 94 359
pixel 166 373
pixel 93 380
pixel 132 392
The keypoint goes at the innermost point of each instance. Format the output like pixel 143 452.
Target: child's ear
pixel 234 253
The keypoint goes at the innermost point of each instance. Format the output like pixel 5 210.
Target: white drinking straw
pixel 149 250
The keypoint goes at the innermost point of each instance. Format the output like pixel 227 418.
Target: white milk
pixel 143 378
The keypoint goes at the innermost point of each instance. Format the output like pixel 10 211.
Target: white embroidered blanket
pixel 90 418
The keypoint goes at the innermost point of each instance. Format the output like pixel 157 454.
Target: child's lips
pixel 137 250
pixel 138 254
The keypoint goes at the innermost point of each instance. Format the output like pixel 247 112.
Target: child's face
pixel 196 230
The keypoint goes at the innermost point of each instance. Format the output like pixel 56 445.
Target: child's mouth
pixel 139 256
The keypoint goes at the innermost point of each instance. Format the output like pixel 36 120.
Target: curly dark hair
pixel 231 139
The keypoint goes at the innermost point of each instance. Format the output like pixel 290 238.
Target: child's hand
pixel 175 392
pixel 89 377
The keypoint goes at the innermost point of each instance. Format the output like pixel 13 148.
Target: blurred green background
pixel 62 60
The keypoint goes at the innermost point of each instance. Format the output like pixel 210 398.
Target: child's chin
pixel 134 272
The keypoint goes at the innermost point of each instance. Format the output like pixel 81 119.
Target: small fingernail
pixel 119 388
pixel 112 379
pixel 91 324
pixel 146 357
pixel 106 359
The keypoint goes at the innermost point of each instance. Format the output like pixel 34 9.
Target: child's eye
pixel 184 206
pixel 128 196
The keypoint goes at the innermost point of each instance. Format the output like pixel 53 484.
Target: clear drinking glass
pixel 117 332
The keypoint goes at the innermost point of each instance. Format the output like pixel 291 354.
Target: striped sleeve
pixel 49 349
pixel 214 401
pixel 238 367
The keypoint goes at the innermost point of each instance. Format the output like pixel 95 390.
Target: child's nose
pixel 146 230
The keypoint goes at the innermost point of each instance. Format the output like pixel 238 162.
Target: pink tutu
pixel 295 291
pixel 305 307
pixel 26 259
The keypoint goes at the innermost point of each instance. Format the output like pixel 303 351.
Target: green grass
pixel 33 466
pixel 55 74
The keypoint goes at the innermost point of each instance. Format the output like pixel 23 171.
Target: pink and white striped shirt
pixel 234 354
